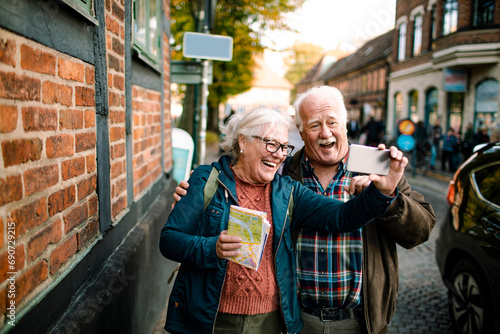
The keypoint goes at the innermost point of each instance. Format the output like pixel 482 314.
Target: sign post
pixel 206 46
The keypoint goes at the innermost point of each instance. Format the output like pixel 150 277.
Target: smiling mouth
pixel 269 164
pixel 327 143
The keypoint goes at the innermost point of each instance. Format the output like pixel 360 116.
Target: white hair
pixel 324 91
pixel 251 124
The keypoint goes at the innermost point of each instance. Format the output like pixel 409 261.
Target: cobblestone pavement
pixel 422 300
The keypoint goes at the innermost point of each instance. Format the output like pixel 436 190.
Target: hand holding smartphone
pixel 368 160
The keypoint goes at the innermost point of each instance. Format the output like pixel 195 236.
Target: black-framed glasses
pixel 273 146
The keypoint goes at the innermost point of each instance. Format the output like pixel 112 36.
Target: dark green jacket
pixel 190 235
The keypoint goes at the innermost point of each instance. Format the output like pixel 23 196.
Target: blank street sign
pixel 206 46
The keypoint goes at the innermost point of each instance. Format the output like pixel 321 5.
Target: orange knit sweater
pixel 247 291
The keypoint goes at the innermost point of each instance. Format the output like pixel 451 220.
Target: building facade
pixel 85 164
pixel 446 64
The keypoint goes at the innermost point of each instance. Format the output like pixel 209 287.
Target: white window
pixel 417 36
pixel 147 28
pixel 402 42
pixel 450 19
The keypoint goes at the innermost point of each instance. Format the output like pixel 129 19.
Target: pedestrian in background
pixel 450 146
pixel 482 136
pixel 214 295
pixel 467 142
pixel 436 136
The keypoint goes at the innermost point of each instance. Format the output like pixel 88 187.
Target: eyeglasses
pixel 273 146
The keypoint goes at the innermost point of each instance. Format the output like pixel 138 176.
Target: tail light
pixel 450 197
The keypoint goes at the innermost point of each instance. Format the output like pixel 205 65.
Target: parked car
pixel 468 246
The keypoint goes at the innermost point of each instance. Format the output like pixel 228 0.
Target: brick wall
pixel 146 107
pixel 48 173
pixel 115 48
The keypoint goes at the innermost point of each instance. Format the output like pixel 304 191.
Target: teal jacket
pixel 190 235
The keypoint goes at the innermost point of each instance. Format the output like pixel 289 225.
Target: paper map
pixel 252 226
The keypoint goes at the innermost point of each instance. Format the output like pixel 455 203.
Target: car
pixel 468 245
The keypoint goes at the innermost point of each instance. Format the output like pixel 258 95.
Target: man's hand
pixel 388 184
pixel 227 245
pixel 358 184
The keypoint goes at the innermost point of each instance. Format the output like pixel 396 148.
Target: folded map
pixel 253 227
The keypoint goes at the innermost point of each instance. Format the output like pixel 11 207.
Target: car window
pixel 487 182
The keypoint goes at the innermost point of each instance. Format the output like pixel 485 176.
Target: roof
pixel 264 76
pixel 378 48
pixel 318 70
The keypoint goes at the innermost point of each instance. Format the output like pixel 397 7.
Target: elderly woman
pixel 212 294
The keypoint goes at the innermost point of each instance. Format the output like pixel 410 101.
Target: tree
pixel 301 58
pixel 243 20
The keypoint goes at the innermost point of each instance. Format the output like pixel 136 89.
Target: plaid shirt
pixel 329 265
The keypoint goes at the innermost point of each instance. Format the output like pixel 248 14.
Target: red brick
pixel 91 163
pixel 11 189
pixel 39 119
pixel 62 253
pixel 118 11
pixel 29 216
pixel 20 151
pixel 86 234
pixel 61 200
pixel 114 63
pixel 54 93
pixel 21 87
pixel 1 233
pixel 112 25
pixel 70 70
pixel 117 116
pixel 60 146
pixel 32 278
pixel 114 99
pixel 85 141
pixel 118 47
pixel 118 151
pixel 70 119
pixel 89 119
pixel 50 235
pixel 119 206
pixel 89 75
pixel 72 168
pixel 38 179
pixel 93 205
pixel 116 133
pixel 75 217
pixel 8 53
pixel 84 97
pixel 37 61
pixel 121 185
pixel 87 187
pixel 8 117
pixel 116 169
pixel 119 81
pixel 19 259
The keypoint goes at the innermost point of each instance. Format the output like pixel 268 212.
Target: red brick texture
pixel 48 174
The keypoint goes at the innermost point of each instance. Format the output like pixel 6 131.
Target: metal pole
pixel 204 112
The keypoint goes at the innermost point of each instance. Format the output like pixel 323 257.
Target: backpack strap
pixel 210 187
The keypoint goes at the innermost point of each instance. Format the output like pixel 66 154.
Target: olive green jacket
pixel 408 222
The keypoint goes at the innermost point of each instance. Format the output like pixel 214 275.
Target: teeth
pixel 326 142
pixel 268 163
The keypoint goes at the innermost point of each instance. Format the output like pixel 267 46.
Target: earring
pixel 241 150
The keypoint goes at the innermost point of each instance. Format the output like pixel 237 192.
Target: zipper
pixel 275 255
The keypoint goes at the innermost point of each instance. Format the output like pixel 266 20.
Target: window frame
pixel 402 41
pixel 143 48
pixel 490 9
pixel 450 17
pixel 417 35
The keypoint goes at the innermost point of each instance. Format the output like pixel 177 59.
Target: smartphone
pixel 368 160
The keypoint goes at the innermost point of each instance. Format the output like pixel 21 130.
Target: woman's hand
pixel 227 245
pixel 387 184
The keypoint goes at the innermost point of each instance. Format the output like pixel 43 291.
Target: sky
pixel 344 24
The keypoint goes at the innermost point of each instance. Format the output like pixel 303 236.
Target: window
pixel 413 105
pixel 450 16
pixel 402 42
pixel 433 23
pixel 487 182
pixel 147 28
pixel 486 108
pixel 484 12
pixel 417 35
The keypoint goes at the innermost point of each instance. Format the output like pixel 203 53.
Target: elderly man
pixel 347 281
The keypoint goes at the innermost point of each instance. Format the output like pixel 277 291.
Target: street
pixel 422 300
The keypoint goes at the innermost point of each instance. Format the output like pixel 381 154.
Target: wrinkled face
pixel 256 164
pixel 324 132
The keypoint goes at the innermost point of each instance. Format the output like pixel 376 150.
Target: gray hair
pixel 251 124
pixel 324 91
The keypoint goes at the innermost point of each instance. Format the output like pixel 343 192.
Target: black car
pixel 468 246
